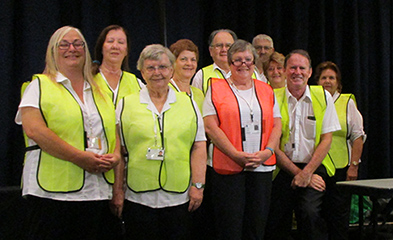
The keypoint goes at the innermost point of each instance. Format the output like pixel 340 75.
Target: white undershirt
pixel 95 186
pixel 252 143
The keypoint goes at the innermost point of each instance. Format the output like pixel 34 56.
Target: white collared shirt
pixel 354 124
pixel 302 125
pixel 354 121
pixel 160 198
pixel 95 186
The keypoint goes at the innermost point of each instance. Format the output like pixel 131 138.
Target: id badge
pixel 94 143
pixel 252 128
pixel 154 153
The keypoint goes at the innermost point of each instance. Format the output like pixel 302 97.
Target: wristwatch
pixel 355 163
pixel 198 185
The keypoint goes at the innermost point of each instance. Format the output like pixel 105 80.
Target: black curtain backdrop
pixel 354 34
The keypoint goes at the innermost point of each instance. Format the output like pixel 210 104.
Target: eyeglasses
pixel 65 45
pixel 267 48
pixel 161 68
pixel 221 45
pixel 239 62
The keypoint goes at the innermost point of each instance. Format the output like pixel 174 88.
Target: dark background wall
pixel 354 34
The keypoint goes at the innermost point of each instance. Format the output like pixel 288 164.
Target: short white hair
pixel 262 37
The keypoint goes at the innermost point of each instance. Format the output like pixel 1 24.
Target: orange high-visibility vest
pixel 228 113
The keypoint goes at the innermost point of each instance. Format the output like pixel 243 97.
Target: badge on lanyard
pixel 252 128
pixel 94 143
pixel 156 152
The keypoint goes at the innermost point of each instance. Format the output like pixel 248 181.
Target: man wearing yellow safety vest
pixel 219 43
pixel 309 119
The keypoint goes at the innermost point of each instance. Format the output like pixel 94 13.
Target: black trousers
pixel 142 222
pixel 202 218
pixel 241 204
pixel 337 205
pixel 307 204
pixel 64 220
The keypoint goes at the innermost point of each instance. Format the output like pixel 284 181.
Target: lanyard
pixel 155 129
pixel 249 104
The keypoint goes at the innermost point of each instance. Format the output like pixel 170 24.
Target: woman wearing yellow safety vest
pixel 346 149
pixel 187 56
pixel 72 145
pixel 163 135
pixel 111 64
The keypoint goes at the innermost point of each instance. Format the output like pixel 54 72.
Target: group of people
pixel 228 152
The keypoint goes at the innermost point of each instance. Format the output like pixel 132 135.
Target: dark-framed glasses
pixel 65 45
pixel 161 68
pixel 239 62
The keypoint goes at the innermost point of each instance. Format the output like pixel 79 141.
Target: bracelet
pixel 271 150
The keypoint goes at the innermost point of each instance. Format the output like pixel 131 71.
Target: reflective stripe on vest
pixel 179 130
pixel 318 100
pixel 228 113
pixel 207 73
pixel 128 84
pixel 57 175
pixel 339 151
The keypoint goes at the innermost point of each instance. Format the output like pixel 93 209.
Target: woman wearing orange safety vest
pixel 243 123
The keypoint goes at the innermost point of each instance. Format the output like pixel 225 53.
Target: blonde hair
pixel 275 57
pixel 52 51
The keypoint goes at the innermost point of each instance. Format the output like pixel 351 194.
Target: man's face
pixel 219 48
pixel 298 71
pixel 264 49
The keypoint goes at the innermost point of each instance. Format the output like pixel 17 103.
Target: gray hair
pixel 214 33
pixel 241 46
pixel 262 37
pixel 154 52
pixel 302 52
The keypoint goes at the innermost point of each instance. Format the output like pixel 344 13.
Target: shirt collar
pixel 60 78
pixel 215 66
pixel 306 94
pixel 335 96
pixel 145 99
